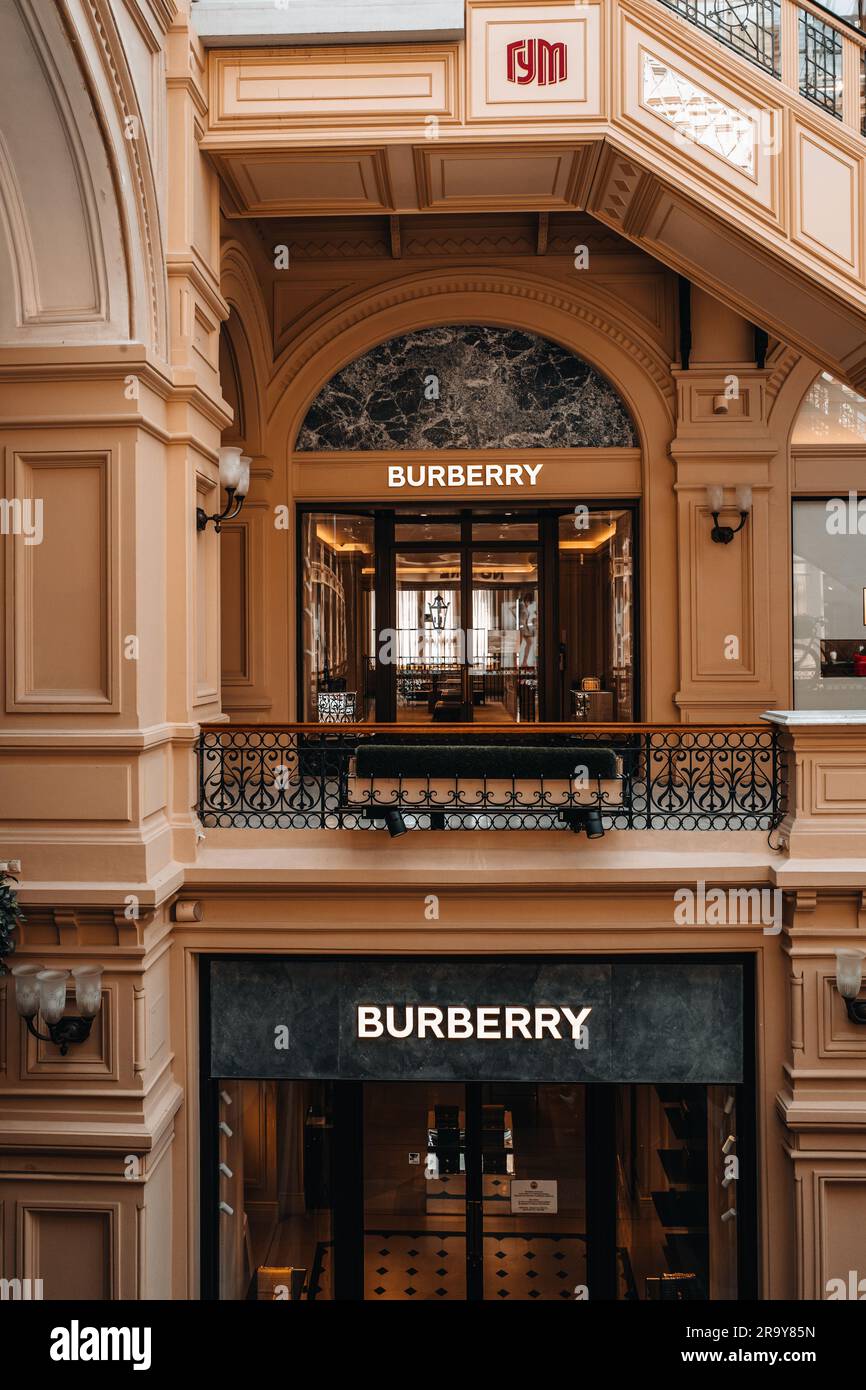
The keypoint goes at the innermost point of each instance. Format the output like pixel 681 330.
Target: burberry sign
pixel 475 1018
pixel 536 60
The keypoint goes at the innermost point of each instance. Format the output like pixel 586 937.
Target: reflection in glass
pixel 430 641
pixel 504 641
pixel 426 526
pixel 502 526
pixel 596 608
pixel 829 602
pixel 338 572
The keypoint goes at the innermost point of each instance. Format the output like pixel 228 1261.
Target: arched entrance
pixel 514 608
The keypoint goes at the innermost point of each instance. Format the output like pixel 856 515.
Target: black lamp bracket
pixel 202 518
pixel 65 1033
pixel 723 535
pixel 856 1010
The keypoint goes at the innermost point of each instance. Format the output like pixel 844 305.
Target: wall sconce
pixel 849 978
pixel 723 535
pixel 44 991
pixel 235 478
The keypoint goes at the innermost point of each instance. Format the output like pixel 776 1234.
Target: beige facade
pixel 195 241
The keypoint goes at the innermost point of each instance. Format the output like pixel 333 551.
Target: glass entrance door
pixel 415 1191
pixel 474 1191
pixel 533 1174
pixel 503 657
pixel 466 639
pixel 429 656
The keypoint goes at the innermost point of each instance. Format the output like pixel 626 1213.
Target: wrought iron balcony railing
pixel 539 777
pixel 820 54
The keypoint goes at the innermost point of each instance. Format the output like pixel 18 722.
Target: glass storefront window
pixel 338 574
pixel 596 615
pixel 276 1238
pixel 677 1174
pixel 489 616
pixel 437 1191
pixel 829 604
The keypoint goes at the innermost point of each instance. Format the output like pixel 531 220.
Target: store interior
pixel 501 1209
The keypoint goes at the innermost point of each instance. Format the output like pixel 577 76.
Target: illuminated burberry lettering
pixel 490 1022
pixel 463 475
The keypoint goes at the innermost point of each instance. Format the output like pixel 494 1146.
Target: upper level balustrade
pixel 811 51
pixel 465 777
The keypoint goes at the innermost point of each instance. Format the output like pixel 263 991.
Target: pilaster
pixel 733 656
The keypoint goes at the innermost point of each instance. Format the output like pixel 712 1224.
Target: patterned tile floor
pixel 431 1265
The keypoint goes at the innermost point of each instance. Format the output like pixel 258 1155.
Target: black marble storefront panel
pixel 495 388
pixel 661 1022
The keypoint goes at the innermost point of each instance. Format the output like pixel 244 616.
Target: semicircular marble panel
pixel 467 386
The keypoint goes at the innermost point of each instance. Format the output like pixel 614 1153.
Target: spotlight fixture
pixel 723 535
pixel 39 991
pixel 590 821
pixel 395 824
pixel 849 978
pixel 235 478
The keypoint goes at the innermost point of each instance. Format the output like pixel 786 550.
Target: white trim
pixel 793 717
pixel 226 22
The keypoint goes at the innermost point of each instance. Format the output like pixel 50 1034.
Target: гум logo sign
pixel 529 59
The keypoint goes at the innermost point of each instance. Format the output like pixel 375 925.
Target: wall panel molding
pixel 62 615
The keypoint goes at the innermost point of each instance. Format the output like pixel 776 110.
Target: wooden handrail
pixel 446 731
pixel 833 21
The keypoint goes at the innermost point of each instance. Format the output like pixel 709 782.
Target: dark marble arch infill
pixel 656 1022
pixel 498 388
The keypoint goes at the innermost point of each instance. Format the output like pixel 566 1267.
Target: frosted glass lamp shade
pixel 744 498
pixel 715 497
pixel 849 973
pixel 88 989
pixel 230 466
pixel 52 994
pixel 244 480
pixel 26 979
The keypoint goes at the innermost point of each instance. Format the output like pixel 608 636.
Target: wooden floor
pixel 494 712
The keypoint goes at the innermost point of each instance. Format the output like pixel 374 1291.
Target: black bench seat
pixel 480 761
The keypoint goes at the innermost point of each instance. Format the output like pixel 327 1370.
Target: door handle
pixel 475 1230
